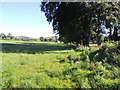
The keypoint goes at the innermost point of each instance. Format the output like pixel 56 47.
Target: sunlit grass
pixel 20 68
pixel 53 65
pixel 93 45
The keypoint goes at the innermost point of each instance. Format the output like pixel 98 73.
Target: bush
pixel 109 52
pixel 96 67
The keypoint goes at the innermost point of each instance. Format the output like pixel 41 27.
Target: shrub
pixel 96 67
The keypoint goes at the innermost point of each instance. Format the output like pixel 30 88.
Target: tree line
pixel 81 22
pixel 9 36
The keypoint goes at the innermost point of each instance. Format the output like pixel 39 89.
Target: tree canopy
pixel 80 22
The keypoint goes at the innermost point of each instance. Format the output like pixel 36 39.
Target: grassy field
pixel 28 64
pixel 24 63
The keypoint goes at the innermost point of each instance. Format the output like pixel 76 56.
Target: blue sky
pixel 23 19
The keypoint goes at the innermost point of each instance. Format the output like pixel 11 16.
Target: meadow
pixel 24 62
pixel 28 64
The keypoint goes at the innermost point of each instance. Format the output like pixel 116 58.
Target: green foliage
pixel 49 39
pixel 2 36
pixel 109 52
pixel 84 67
pixel 95 68
pixel 81 22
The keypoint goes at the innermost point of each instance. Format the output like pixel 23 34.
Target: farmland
pixel 28 64
pixel 24 62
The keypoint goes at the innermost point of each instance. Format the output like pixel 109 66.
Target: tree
pixel 76 22
pixel 45 39
pixel 113 19
pixel 3 36
pixel 64 20
pixel 41 39
pixel 9 36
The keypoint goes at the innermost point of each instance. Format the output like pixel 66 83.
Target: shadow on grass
pixel 33 48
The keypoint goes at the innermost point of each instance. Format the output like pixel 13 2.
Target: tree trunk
pixel 86 42
pixel 110 33
pixel 115 34
pixel 86 36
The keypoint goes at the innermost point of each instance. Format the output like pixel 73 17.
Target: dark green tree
pixel 76 22
pixel 3 36
pixel 41 39
pixel 9 36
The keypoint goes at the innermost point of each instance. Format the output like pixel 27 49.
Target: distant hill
pixel 51 37
pixel 23 37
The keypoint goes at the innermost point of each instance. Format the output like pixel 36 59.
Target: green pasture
pixel 28 64
pixel 23 62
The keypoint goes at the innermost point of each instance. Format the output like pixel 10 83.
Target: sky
pixel 24 19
